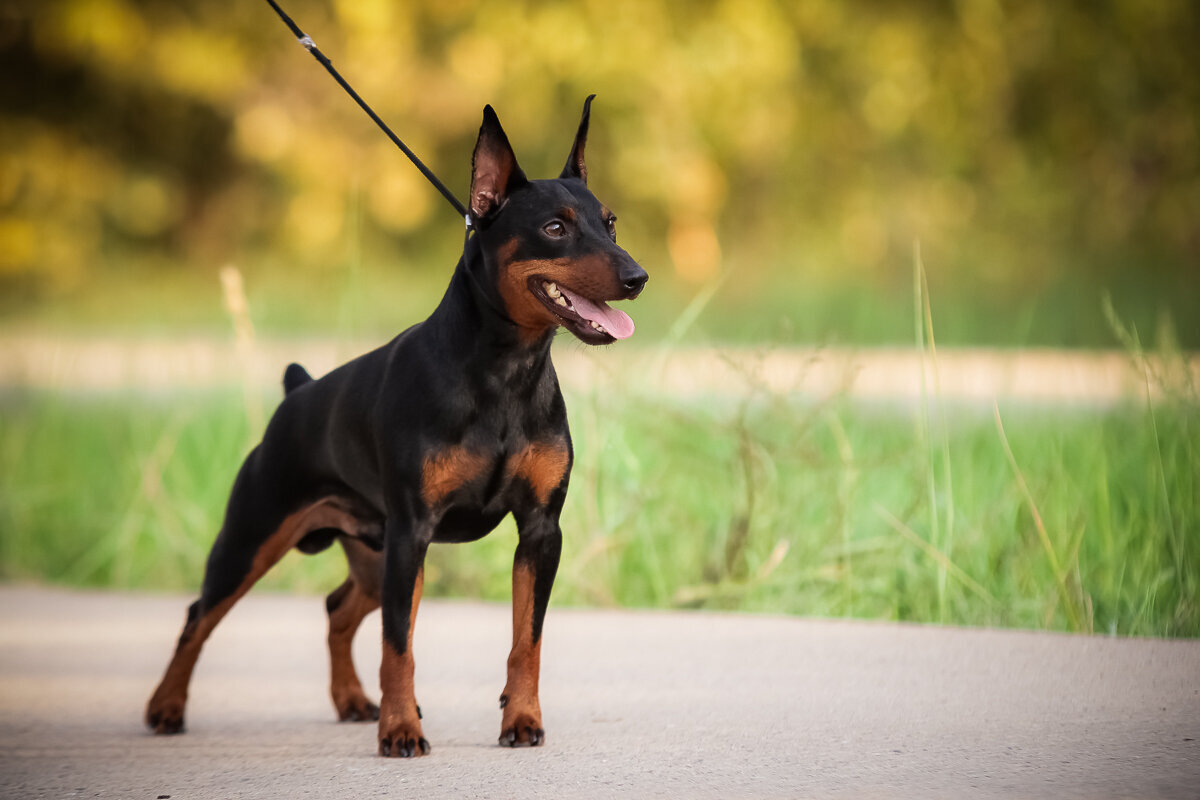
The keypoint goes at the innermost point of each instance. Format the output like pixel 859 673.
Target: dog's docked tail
pixel 294 377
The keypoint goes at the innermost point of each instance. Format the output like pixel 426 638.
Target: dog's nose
pixel 634 280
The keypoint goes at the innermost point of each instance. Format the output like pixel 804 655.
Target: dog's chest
pixel 469 490
pixel 506 449
pixel 482 476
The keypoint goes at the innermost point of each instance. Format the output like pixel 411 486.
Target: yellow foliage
pixel 193 62
pixel 264 131
pixel 314 220
pixel 694 248
pixel 18 244
pixel 398 197
pixel 824 132
pixel 112 33
pixel 142 205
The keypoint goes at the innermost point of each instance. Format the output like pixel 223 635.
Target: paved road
pixel 674 705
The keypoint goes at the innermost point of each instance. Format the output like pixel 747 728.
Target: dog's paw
pixel 164 717
pixel 522 735
pixel 402 739
pixel 520 726
pixel 403 745
pixel 356 708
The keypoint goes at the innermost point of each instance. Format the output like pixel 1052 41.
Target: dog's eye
pixel 554 229
pixel 612 227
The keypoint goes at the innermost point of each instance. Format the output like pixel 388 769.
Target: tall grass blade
pixel 847 479
pixel 937 555
pixel 926 344
pixel 233 290
pixel 687 318
pixel 1172 373
pixel 1060 576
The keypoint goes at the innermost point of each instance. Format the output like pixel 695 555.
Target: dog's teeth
pixel 562 301
pixel 599 327
pixel 552 290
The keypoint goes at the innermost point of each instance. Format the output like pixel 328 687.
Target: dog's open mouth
pixel 592 321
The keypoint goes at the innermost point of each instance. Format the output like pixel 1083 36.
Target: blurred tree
pixel 1030 146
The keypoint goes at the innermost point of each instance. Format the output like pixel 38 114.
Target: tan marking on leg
pixel 399 719
pixel 164 712
pixel 446 470
pixel 522 720
pixel 542 465
pixel 349 699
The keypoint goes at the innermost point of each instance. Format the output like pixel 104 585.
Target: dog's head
pixel 554 245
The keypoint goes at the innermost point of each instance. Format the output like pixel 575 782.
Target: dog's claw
pixel 164 721
pixel 406 749
pixel 358 709
pixel 404 745
pixel 514 737
pixel 368 713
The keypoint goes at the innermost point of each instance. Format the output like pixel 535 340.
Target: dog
pixel 434 437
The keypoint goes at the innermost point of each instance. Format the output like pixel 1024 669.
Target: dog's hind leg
pixel 347 605
pixel 258 531
pixel 164 712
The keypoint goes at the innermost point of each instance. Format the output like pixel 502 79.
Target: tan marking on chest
pixel 447 470
pixel 542 465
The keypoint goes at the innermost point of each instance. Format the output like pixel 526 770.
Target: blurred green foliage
pixel 1042 153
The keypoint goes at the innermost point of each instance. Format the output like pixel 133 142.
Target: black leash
pixel 307 43
pixel 311 47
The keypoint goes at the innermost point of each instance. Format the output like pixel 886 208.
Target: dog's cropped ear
pixel 494 170
pixel 576 168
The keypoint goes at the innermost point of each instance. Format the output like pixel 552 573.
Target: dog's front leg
pixel 399 718
pixel 534 567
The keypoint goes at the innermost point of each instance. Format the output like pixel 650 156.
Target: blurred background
pixel 1043 154
pixel 188 202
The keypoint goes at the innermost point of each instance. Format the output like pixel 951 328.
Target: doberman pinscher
pixel 434 437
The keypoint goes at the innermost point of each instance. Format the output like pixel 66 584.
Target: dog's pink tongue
pixel 616 322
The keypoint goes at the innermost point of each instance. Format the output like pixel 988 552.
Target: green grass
pixel 1061 520
pixel 794 302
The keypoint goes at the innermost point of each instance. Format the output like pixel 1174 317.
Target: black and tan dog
pixel 434 437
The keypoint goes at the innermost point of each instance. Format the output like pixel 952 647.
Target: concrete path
pixel 671 705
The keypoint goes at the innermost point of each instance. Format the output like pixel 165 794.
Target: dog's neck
pixel 473 315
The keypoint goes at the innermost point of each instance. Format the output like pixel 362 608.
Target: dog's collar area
pixel 478 289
